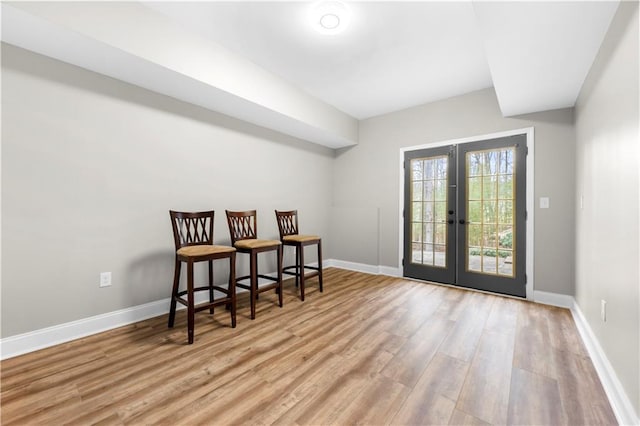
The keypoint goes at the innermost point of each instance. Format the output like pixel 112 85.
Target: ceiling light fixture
pixel 329 17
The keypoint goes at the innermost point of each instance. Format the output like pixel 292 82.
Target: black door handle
pixel 450 221
pixel 461 222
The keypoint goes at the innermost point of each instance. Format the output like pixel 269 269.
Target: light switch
pixel 544 202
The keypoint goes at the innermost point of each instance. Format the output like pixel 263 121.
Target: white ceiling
pixel 392 56
pixel 263 63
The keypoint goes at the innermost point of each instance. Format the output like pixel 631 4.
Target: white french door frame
pixel 530 197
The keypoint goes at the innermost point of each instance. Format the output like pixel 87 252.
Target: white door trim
pixel 529 132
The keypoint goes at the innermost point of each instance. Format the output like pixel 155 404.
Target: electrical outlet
pixel 603 310
pixel 544 202
pixel 105 279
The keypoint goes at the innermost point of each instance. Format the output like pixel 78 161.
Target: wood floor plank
pixel 579 382
pixel 221 405
pixel 461 343
pixel 563 333
pixel 503 317
pixel 533 349
pixel 302 386
pixel 534 399
pixel 369 349
pixel 410 361
pixel 376 404
pixel 433 398
pixel 34 407
pixel 344 384
pixel 418 304
pixel 485 394
pixel 454 303
pixel 461 418
pixel 359 365
pixel 228 368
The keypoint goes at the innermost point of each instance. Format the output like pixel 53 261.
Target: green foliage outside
pixel 506 240
pixel 489 252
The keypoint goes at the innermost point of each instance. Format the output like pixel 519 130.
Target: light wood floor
pixel 369 350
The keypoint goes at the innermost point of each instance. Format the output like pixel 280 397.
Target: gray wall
pixel 367 176
pixel 607 231
pixel 90 168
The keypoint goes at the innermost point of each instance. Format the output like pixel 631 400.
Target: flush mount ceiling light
pixel 329 17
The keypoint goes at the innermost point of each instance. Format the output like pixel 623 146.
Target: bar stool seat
pixel 301 238
pixel 203 250
pixel 256 243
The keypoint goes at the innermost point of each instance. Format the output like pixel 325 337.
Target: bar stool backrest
pixel 242 225
pixel 192 229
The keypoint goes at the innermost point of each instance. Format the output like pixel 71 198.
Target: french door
pixel 465 215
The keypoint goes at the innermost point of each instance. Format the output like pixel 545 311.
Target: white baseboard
pixel 554 299
pixel 391 271
pixel 32 341
pixel 618 398
pixel 362 267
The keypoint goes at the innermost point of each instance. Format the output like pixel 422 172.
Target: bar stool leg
pixel 211 285
pixel 257 278
pixel 232 288
pixel 174 292
pixel 297 264
pixel 320 264
pixel 190 302
pixel 302 272
pixel 253 272
pixel 279 288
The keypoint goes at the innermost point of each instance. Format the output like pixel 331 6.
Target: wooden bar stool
pixel 243 228
pixel 288 226
pixel 193 237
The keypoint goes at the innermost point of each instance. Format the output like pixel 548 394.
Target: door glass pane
pixel 416 253
pixel 416 211
pixel 490 202
pixel 490 211
pixel 429 169
pixel 441 189
pixel 489 188
pixel 427 254
pixel 489 262
pixel 416 232
pixel 475 212
pixel 440 212
pixel 416 193
pixel 505 187
pixel 429 184
pixel 416 170
pixel 429 214
pixel 441 233
pixel 474 259
pixel 475 235
pixel 474 188
pixel 440 255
